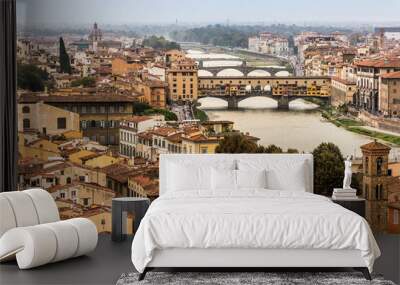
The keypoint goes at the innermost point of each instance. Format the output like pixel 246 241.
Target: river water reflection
pixel 302 127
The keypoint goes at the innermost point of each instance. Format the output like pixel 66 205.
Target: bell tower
pixel 375 182
pixel 95 36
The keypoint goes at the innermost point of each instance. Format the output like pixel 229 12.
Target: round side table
pixel 120 209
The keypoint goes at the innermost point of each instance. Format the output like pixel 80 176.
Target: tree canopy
pixel 236 143
pixel 328 168
pixel 65 64
pixel 269 149
pixel 85 82
pixel 328 160
pixel 237 35
pixel 31 77
pixel 141 108
pixel 160 43
pixel 218 35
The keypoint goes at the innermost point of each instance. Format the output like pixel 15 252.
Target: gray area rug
pixel 236 278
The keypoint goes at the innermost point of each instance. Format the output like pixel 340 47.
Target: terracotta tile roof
pixel 392 75
pixel 202 138
pixel 375 145
pixel 57 167
pixel 96 186
pixel 138 119
pixel 343 81
pixel 140 161
pixel 89 157
pixel 163 131
pixel 56 188
pixel 99 97
pixel 393 62
pixel 175 138
pixel 149 185
pixel 189 130
pixel 80 183
pixel 155 83
pixel 119 172
pixel 95 210
pixel 146 135
pixel 142 180
pixel 216 122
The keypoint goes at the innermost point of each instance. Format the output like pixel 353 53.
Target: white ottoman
pixel 31 232
pixel 52 242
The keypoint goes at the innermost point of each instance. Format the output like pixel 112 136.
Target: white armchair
pixel 31 230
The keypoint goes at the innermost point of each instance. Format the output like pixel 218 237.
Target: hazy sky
pixel 202 11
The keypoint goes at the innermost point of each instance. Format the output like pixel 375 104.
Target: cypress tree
pixel 65 65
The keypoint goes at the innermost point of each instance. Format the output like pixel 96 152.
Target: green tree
pixel 273 149
pixel 292 150
pixel 65 64
pixel 236 143
pixel 85 82
pixel 31 77
pixel 328 168
pixel 139 107
pixel 168 115
pixel 160 43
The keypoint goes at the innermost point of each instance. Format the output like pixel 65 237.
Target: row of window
pixel 365 83
pixel 184 85
pixel 268 82
pixel 128 137
pixel 159 142
pixel 127 150
pixel 379 164
pixel 94 109
pixel 174 91
pixel 183 79
pixel 99 124
pixel 61 123
pixel 172 148
pixel 103 139
pixel 378 194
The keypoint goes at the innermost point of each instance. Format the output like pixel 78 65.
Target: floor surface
pixel 103 266
pixel 110 259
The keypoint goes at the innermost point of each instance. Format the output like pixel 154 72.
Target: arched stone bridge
pixel 283 100
pixel 242 70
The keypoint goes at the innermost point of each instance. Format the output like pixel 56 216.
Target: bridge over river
pixel 242 70
pixel 234 89
pixel 282 100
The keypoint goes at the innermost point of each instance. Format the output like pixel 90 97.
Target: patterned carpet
pixel 243 278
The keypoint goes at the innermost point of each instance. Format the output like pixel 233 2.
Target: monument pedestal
pixel 344 194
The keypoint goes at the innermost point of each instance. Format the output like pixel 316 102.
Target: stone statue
pixel 347 173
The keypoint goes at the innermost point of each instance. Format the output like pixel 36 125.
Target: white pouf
pixel 31 230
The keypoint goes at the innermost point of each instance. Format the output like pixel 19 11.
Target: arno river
pixel 302 127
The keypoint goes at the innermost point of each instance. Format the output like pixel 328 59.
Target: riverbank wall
pixel 392 125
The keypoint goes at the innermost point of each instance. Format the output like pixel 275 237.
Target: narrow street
pixel 183 111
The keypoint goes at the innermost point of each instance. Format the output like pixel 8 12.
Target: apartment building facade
pixel 389 94
pixel 343 92
pixel 99 114
pixel 129 130
pixel 368 81
pixel 182 79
